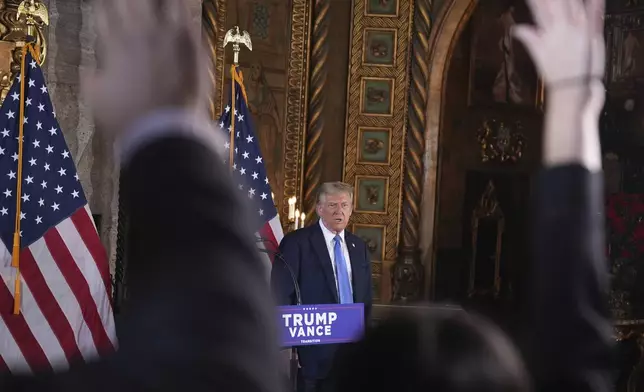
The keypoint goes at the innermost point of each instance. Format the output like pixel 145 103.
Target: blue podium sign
pixel 308 325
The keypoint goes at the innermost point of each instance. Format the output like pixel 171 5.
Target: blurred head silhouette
pixel 434 352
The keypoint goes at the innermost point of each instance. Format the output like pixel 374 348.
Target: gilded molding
pixel 296 101
pixel 447 28
pixel 396 73
pixel 314 145
pixel 213 15
pixel 412 194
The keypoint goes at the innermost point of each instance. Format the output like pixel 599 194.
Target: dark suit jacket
pixel 570 330
pixel 306 253
pixel 200 314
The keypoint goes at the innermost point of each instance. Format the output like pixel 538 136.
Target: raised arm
pixel 570 332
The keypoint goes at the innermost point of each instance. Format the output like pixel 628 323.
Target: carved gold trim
pixel 396 121
pixel 314 145
pixel 213 15
pixel 296 101
pixel 448 27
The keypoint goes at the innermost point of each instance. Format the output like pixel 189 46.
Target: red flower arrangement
pixel 625 215
pixel 625 221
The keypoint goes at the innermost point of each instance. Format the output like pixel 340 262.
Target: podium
pixel 308 325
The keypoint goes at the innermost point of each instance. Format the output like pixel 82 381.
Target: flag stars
pixel 240 118
pixel 4 211
pixel 43 89
pixel 5 133
pixel 266 180
pixel 41 202
pixel 242 171
pixel 264 196
pixel 52 131
pixel 15 96
pixel 38 125
pixel 249 139
pixel 245 154
pixel 32 83
pixel 25 120
pixel 38 220
pixel 241 187
pixel 76 177
pixel 11 175
pixel 36 143
pixel 29 180
pixel 32 161
pixel 75 194
pixel 59 189
pixel 261 212
pixel 15 156
pixel 28 101
pixel 65 154
pixel 255 175
pixel 32 64
pixel 55 206
pixel 251 193
pixel 43 184
pixel 41 107
pixel 258 160
pixel 62 172
pixel 11 114
pixel 25 198
pixel 227 146
pixel 22 215
pixel 7 193
pixel 46 166
pixel 49 149
pixel 227 108
pixel 1 151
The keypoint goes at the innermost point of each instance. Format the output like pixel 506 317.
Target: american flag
pixel 65 310
pixel 249 170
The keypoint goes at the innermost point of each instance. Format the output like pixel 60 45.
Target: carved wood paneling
pixel 396 73
pixel 214 21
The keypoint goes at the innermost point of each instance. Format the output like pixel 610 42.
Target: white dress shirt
pixel 167 123
pixel 330 244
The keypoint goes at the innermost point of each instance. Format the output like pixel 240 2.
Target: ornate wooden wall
pixel 288 116
pixel 376 127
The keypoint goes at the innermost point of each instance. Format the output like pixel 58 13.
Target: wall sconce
pixel 295 218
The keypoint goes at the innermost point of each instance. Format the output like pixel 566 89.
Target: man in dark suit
pixel 332 266
pixel 200 314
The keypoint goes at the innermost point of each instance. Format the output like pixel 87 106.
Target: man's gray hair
pixel 334 188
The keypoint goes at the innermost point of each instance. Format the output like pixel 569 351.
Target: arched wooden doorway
pixel 448 26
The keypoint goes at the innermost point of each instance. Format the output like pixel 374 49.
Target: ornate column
pixel 408 271
pixel 314 146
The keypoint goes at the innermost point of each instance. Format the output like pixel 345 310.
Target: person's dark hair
pixel 432 352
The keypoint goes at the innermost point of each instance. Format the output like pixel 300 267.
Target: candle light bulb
pixel 291 208
pixel 303 218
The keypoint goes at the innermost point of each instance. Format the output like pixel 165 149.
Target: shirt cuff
pixel 168 123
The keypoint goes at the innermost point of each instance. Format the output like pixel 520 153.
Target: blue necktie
pixel 344 284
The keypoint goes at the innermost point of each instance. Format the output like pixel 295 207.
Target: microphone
pixel 294 361
pixel 278 255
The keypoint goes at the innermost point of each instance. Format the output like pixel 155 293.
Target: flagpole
pixel 15 261
pixel 233 100
pixel 235 37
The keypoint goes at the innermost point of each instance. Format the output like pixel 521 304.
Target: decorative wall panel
pixel 276 80
pixel 376 126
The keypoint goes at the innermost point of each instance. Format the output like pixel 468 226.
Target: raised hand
pixel 149 58
pixel 566 42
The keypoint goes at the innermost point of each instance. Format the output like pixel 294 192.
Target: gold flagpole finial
pixel 237 38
